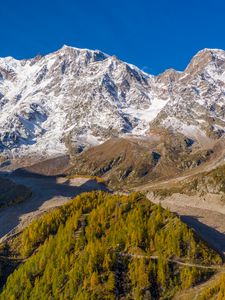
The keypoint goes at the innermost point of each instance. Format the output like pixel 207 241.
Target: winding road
pixel 174 261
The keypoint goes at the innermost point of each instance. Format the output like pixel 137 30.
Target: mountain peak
pixel 204 58
pixel 73 96
pixel 66 48
pixel 210 50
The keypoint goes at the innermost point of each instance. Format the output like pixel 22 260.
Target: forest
pixel 215 290
pixel 104 246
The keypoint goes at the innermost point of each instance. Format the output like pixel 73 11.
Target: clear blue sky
pixel 153 35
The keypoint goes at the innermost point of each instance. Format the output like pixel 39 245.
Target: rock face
pixel 77 97
pixel 196 105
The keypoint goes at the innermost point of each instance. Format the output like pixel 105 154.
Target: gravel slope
pixel 48 192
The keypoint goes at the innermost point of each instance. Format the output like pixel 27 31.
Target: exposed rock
pixel 74 98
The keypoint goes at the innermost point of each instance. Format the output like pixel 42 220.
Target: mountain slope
pixel 72 98
pixel 135 161
pixel 197 96
pixel 11 193
pixel 70 94
pixel 103 246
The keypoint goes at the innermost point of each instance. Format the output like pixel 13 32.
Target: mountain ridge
pixel 73 98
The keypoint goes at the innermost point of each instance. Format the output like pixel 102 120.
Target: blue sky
pixel 154 35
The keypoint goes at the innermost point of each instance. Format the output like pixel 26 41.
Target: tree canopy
pixel 99 246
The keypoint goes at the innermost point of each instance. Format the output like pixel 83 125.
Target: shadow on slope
pixel 213 237
pixel 46 193
pixel 49 167
pixel 11 193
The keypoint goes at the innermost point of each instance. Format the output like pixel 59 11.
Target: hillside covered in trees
pixel 103 246
pixel 215 290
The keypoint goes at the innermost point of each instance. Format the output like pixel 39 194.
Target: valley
pixel 112 180
pixel 205 213
pixel 48 192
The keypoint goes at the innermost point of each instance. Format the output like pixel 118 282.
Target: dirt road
pixel 174 261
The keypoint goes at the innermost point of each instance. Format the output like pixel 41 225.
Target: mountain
pixel 196 105
pixel 48 102
pixel 72 98
pixel 134 161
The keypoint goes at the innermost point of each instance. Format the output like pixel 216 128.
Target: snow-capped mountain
pixel 78 97
pixel 196 105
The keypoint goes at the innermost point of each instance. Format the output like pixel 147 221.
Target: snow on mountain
pixel 196 96
pixel 79 96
